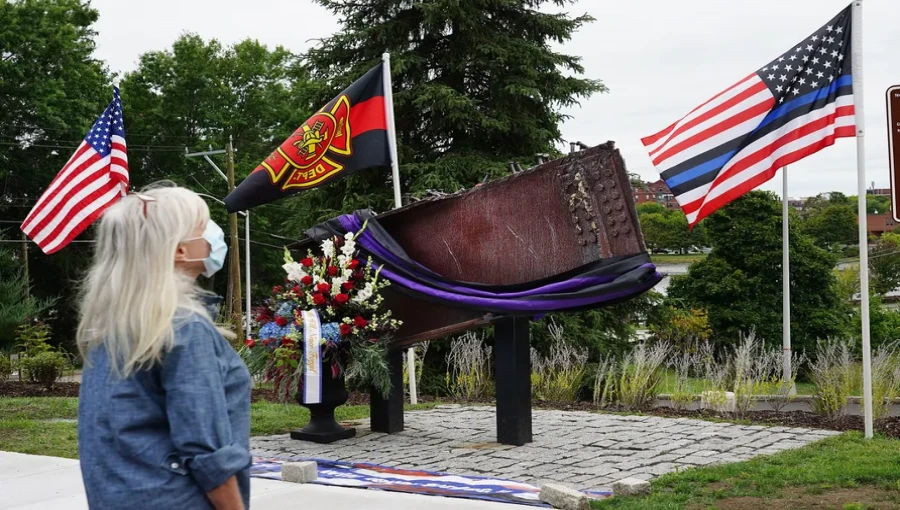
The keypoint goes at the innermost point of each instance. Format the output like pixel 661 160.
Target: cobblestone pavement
pixel 581 449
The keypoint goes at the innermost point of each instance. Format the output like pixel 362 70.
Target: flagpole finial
pixel 117 82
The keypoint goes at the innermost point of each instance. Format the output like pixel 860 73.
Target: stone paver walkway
pixel 581 449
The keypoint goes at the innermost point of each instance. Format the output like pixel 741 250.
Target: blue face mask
pixel 217 248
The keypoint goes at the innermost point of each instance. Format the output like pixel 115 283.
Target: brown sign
pixel 893 117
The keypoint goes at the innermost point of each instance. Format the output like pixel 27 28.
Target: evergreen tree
pixel 476 84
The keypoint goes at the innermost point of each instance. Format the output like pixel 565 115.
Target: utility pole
pixel 25 264
pixel 235 247
pixel 232 276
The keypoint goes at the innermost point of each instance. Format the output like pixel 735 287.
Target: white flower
pixel 363 295
pixel 349 245
pixel 328 248
pixel 294 271
pixel 336 283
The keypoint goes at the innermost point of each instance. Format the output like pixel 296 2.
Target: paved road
pixel 29 482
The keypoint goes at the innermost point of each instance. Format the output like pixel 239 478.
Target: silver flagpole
pixel 786 288
pixel 856 42
pixel 398 200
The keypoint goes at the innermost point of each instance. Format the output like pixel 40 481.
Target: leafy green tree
pixel 740 286
pixel 833 225
pixel 875 204
pixel 667 229
pixel 51 91
pixel 884 263
pixel 196 95
pixel 476 84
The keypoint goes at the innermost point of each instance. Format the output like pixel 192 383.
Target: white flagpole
pixel 398 200
pixel 856 41
pixel 786 288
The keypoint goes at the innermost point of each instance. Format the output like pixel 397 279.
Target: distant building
pixel 797 203
pixel 657 192
pixel 880 223
pixel 879 191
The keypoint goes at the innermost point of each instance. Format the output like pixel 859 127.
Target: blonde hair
pixel 133 292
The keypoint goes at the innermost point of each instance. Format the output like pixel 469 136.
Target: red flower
pixel 251 343
pixel 286 342
pixel 332 271
pixel 323 287
pixel 373 340
pixel 360 322
pixel 307 262
pixel 335 371
pixel 318 299
pixel 347 286
pixel 353 264
pixel 306 280
pixel 281 321
pixel 346 329
pixel 297 290
pixel 277 289
pixel 342 298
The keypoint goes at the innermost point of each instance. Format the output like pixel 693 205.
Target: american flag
pixel 792 107
pixel 95 177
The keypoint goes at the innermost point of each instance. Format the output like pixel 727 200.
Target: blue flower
pixel 285 310
pixel 331 332
pixel 270 330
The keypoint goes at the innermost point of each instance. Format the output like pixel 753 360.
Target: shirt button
pixel 174 465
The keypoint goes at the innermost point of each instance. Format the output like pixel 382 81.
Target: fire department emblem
pixel 307 155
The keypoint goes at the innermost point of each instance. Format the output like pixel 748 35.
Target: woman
pixel 164 411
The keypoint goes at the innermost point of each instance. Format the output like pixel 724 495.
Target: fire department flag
pixel 348 135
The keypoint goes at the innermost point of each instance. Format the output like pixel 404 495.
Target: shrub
pixel 6 368
pixel 755 367
pixel 715 375
pixel 777 387
pixel 469 368
pixel 885 380
pixel 34 337
pixel 44 368
pixel 833 374
pixel 639 375
pixel 605 382
pixel 558 376
pixel 682 395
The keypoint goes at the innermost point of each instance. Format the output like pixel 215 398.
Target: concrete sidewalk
pixel 30 482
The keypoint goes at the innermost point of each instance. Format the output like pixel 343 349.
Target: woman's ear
pixel 180 253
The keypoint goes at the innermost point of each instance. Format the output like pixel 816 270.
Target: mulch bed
pixel 889 427
pixel 21 389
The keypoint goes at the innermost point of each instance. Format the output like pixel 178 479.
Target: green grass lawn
pixel 45 426
pixel 844 472
pixel 674 258
pixel 667 385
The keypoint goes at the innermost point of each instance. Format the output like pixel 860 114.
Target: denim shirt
pixel 165 436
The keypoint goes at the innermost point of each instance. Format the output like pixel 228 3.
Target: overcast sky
pixel 659 58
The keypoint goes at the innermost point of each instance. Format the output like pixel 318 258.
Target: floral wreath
pixel 355 328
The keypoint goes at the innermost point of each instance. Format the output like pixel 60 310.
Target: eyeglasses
pixel 145 199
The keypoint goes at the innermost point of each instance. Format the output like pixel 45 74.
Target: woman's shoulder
pixel 190 324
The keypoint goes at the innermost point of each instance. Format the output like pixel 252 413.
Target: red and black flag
pixel 348 135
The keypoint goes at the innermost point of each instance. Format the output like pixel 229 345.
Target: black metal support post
pixel 387 414
pixel 512 348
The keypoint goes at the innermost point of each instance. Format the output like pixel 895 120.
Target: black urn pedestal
pixel 322 427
